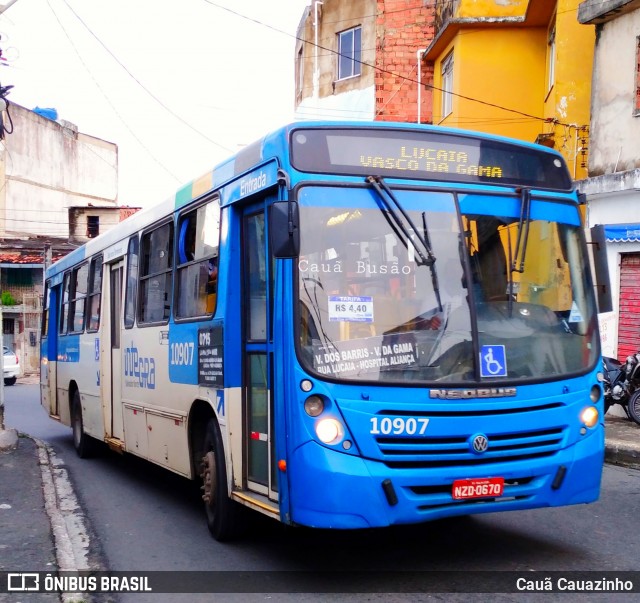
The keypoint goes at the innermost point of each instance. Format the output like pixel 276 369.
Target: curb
pixel 621 455
pixel 71 539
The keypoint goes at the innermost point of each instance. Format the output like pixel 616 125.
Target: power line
pixel 386 71
pixel 135 79
pixel 106 97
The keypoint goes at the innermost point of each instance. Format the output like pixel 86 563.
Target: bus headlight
pixel 328 430
pixel 595 393
pixel 589 416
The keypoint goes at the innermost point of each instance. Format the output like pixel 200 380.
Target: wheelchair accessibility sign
pixel 493 361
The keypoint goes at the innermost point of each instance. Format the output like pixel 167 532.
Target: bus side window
pixel 64 304
pixel 93 299
pixel 79 282
pixel 197 261
pixel 132 283
pixel 46 300
pixel 155 275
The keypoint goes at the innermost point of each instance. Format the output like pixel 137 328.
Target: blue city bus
pixel 345 325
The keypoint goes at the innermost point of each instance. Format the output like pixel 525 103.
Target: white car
pixel 11 367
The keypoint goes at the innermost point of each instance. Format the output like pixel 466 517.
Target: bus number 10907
pixel 182 353
pixel 398 426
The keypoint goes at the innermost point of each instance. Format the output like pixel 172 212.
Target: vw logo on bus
pixel 479 443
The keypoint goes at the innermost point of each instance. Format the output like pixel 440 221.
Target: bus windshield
pixel 370 309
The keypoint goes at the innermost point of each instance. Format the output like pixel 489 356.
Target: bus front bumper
pixel 330 489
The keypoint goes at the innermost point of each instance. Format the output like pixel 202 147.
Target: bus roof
pixel 271 145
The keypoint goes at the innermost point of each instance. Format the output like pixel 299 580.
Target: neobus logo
pixel 463 394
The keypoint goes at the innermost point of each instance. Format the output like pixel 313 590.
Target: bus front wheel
pixel 221 510
pixel 83 443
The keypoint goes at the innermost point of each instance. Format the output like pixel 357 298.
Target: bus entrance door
pixel 258 355
pixel 112 358
pixel 48 371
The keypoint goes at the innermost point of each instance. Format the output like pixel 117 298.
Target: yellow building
pixel 520 68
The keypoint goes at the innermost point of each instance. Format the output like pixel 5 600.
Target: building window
pixel 637 104
pixel 20 277
pixel 93 226
pixel 8 326
pixel 349 53
pixel 447 85
pixel 551 58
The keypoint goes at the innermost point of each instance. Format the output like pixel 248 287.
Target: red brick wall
pixel 404 26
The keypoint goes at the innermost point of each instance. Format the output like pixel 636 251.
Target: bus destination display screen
pixel 426 156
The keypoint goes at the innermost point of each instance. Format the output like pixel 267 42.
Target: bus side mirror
pixel 284 233
pixel 601 268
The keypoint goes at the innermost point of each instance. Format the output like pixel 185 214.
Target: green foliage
pixel 7 299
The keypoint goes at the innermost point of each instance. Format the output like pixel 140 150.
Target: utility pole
pixel 3 8
pixel 8 437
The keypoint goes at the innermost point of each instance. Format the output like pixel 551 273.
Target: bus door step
pixel 115 444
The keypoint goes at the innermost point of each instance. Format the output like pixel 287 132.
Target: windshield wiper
pixel 425 254
pixel 520 251
pixel 432 265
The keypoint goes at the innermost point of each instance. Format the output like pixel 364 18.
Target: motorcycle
pixel 622 385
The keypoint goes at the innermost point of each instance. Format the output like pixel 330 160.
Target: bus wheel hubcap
pixel 208 477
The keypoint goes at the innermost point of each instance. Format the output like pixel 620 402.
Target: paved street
pixel 134 515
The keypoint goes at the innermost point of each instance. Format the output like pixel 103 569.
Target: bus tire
pixel 221 511
pixel 84 444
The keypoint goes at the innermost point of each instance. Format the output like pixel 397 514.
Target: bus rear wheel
pixel 84 444
pixel 220 509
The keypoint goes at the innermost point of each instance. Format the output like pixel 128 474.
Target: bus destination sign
pixel 427 155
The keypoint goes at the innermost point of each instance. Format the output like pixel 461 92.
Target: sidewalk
pixel 622 442
pixel 41 522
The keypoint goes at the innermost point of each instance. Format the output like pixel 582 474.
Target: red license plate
pixel 487 487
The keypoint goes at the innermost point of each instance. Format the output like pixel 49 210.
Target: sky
pixel 178 86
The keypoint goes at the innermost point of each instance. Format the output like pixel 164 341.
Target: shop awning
pixel 622 233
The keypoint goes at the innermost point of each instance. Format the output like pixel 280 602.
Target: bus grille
pixel 433 452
